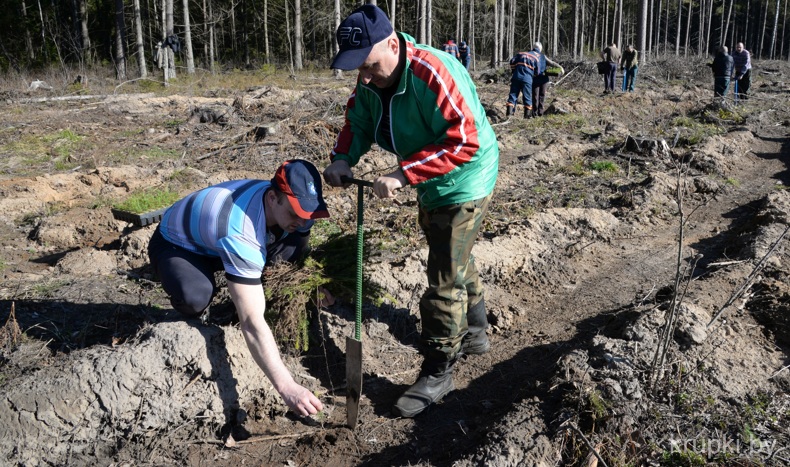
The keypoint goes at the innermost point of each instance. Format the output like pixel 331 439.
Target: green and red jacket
pixel 445 145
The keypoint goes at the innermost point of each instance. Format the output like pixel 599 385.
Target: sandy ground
pixel 611 215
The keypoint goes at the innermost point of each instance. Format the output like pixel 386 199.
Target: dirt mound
pixel 172 374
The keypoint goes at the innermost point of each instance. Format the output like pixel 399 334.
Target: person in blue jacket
pixel 464 54
pixel 523 66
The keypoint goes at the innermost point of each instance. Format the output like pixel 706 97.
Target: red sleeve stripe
pixel 343 142
pixel 460 142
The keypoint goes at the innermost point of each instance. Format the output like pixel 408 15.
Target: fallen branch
pixel 254 439
pixel 228 148
pixel 61 98
pixel 566 75
pixel 747 283
pixel 588 443
pixel 725 263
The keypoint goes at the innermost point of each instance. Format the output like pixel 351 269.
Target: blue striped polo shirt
pixel 226 221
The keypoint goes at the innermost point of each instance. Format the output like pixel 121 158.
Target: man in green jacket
pixel 420 104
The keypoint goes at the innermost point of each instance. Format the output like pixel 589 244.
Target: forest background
pixel 142 38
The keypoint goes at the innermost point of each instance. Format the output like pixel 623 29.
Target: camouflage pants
pixel 454 284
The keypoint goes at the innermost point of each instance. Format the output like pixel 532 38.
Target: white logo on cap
pixel 311 188
pixel 349 34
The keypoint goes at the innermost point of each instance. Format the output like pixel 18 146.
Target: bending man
pixel 241 226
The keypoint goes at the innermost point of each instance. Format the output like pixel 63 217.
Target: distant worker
pixel 743 71
pixel 629 64
pixel 540 82
pixel 610 55
pixel 464 54
pixel 722 68
pixel 523 67
pixel 241 226
pixel 451 48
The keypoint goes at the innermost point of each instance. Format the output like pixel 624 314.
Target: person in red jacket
pixel 451 48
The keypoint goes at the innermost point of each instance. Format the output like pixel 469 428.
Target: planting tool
pixel 354 345
pixel 735 98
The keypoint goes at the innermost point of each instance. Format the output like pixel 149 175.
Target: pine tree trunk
pixel 582 23
pixel 298 34
pixel 776 29
pixel 429 23
pixel 393 12
pixel 170 66
pixel 576 29
pixel 245 30
pixel 423 17
pixel 762 33
pixel 31 53
pixel 688 33
pixel 605 37
pixel 120 42
pixel 620 24
pixel 511 29
pixel 495 51
pixel 701 47
pixel 726 24
pixel 539 36
pixel 471 38
pixel 643 29
pixel 680 22
pixel 138 27
pixel 656 46
pixel 190 57
pixel 86 39
pixel 502 15
pixel 288 37
pixel 266 50
pixel 335 45
pixel 208 28
pixel 556 31
pixel 782 42
pixel 459 7
pixel 650 22
pixel 710 25
pixel 595 43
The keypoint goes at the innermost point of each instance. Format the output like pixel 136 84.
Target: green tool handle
pixel 360 249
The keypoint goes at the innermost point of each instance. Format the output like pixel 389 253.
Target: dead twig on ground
pixel 36 100
pixel 587 443
pixel 254 439
pixel 566 75
pixel 229 148
pixel 725 263
pixel 747 283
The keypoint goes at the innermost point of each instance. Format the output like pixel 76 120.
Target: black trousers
pixel 188 277
pixel 744 84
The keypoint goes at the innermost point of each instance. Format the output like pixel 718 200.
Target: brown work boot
pixel 509 111
pixel 433 383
